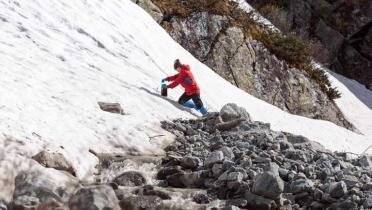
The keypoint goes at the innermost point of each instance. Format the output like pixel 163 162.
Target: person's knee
pixel 198 104
pixel 181 101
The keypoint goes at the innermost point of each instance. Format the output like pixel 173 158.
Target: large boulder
pixel 42 187
pixel 99 197
pixel 54 160
pixel 232 111
pixel 268 184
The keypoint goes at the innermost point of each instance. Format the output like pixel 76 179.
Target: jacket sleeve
pixel 172 78
pixel 177 81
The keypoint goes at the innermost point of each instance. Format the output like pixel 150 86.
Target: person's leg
pixel 198 103
pixel 185 101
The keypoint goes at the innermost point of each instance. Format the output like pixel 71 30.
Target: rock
pixel 344 205
pixel 111 107
pixel 193 179
pixel 25 202
pixel 54 160
pixel 268 185
pixel 201 198
pixel 38 186
pixel 350 181
pixel 337 189
pixel 214 157
pixel 365 161
pixel 130 179
pixel 3 206
pixel 231 176
pixel 227 153
pixel 302 185
pixel 140 202
pixel 232 111
pixel 329 37
pixel 367 186
pixel 99 197
pixel 217 169
pixel 368 202
pixel 258 202
pixel 152 9
pixel 239 202
pixel 190 162
pixel 164 172
pixel 149 190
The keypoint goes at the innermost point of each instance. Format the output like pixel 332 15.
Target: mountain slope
pixel 60 58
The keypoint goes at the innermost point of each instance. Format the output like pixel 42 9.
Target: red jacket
pixel 186 79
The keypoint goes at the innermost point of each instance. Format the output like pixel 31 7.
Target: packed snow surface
pixel 59 58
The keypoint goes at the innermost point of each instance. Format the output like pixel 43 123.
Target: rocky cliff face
pixel 343 26
pixel 246 63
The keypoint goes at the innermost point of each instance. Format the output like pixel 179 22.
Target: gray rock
pixel 111 107
pixel 164 172
pixel 329 37
pixel 214 157
pixel 130 179
pixel 3 206
pixel 368 202
pixel 302 185
pixel 365 161
pixel 350 181
pixel 190 162
pixel 201 198
pixel 100 197
pixel 232 111
pixel 149 190
pixel 152 9
pixel 227 153
pixel 217 169
pixel 191 180
pixel 337 189
pixel 54 160
pixel 140 202
pixel 231 176
pixel 258 202
pixel 25 202
pixel 367 186
pixel 43 185
pixel 268 184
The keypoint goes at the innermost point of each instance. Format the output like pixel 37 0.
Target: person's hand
pixel 163 80
pixel 164 86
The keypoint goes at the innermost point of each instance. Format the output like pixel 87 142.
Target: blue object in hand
pixel 164 86
pixel 163 80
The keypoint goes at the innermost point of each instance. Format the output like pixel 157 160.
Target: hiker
pixel 187 81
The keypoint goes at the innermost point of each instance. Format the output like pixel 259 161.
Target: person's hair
pixel 177 64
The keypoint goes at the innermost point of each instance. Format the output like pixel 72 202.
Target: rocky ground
pixel 221 161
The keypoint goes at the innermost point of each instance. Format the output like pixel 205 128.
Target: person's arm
pixel 177 81
pixel 172 78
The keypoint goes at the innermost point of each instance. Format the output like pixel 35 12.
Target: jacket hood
pixel 185 67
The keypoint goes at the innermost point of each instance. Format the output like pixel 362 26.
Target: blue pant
pixel 195 103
